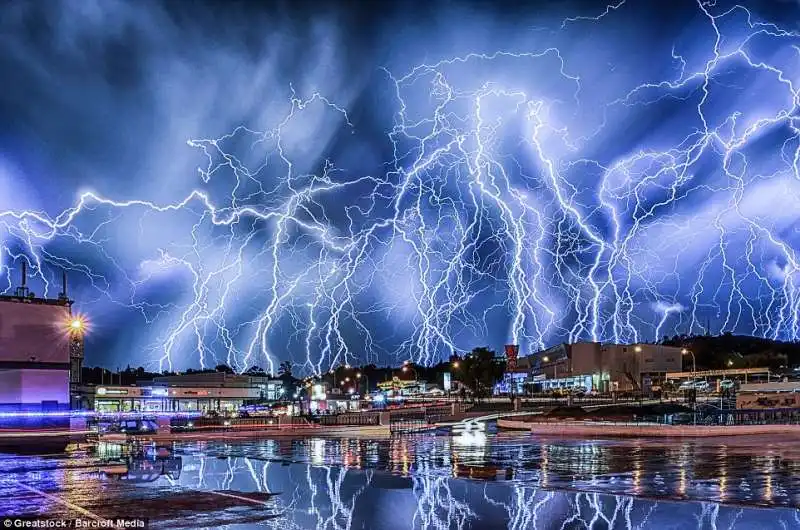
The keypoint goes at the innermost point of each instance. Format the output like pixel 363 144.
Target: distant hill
pixel 738 351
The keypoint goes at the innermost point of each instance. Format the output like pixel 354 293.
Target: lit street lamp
pixel 366 381
pixel 684 351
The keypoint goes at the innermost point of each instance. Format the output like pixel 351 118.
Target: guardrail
pixel 357 418
pixel 212 424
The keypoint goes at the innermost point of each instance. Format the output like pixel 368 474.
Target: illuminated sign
pixel 447 384
pixel 318 393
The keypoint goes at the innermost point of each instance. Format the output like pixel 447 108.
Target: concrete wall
pixel 772 400
pixel 31 332
pixel 586 358
pixel 28 388
pixel 632 430
pixel 658 358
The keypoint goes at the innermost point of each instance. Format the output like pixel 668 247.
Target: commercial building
pixel 604 367
pixel 775 395
pixel 199 392
pixel 41 352
pixel 515 379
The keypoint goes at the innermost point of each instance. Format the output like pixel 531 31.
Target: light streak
pixel 495 206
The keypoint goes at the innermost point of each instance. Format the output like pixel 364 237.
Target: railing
pixel 408 421
pixel 206 424
pixel 715 416
pixel 360 418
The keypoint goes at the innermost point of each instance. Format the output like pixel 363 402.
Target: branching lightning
pixel 494 209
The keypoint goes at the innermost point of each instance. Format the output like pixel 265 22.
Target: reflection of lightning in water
pixel 334 512
pixel 437 506
pixel 531 508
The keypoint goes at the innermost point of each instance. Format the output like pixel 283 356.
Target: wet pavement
pixel 425 481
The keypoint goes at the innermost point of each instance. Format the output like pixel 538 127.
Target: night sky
pixel 377 181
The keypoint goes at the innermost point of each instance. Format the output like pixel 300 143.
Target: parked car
pixel 699 385
pixel 726 384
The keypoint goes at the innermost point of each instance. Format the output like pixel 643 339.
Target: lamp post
pixel 366 381
pixel 684 351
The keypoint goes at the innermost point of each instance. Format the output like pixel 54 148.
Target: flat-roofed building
pixel 41 352
pixel 604 367
pixel 189 392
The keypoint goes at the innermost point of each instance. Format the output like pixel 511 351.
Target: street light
pixel 545 359
pixel 684 351
pixel 455 365
pixel 730 362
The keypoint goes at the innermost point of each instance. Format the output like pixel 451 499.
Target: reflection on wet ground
pixel 420 482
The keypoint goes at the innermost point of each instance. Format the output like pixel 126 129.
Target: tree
pixel 285 369
pixel 480 371
pixel 223 368
pixel 290 383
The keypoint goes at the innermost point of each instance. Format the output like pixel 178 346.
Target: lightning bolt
pixel 493 206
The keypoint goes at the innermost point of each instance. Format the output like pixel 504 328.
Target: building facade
pixel 200 392
pixel 39 350
pixel 605 367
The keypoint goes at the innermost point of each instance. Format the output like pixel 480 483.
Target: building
pixel 515 380
pixel 403 387
pixel 604 367
pixel 200 392
pixel 41 352
pixel 774 395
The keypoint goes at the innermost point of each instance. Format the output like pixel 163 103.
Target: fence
pixel 360 418
pixel 211 424
pixel 408 421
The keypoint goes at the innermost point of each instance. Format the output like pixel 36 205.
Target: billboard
pixel 34 333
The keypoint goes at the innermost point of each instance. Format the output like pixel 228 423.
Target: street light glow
pixel 546 359
pixel 455 364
